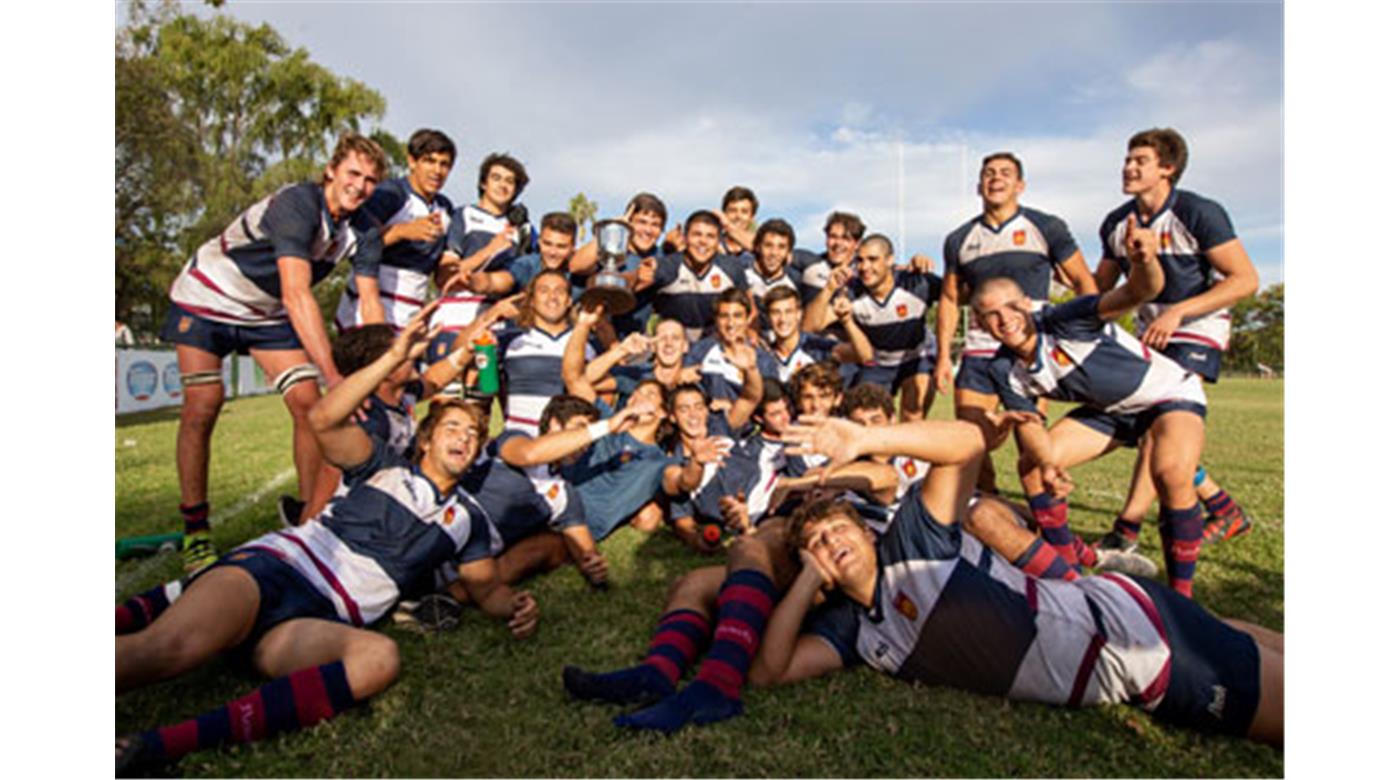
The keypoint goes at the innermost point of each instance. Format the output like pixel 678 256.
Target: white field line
pixel 144 568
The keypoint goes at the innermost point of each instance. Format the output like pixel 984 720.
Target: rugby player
pixel 793 349
pixel 296 602
pixel 1008 240
pixel 646 215
pixel 1207 272
pixel 771 267
pixel 737 209
pixel 713 355
pixel 891 305
pixel 916 605
pixel 843 231
pixel 1074 352
pixel 686 284
pixel 414 216
pixel 248 290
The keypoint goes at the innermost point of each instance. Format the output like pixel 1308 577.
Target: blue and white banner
pixel 150 379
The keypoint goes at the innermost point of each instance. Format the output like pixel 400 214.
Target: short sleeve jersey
pixel 1187 227
pixel 384 538
pixel 1079 357
pixel 521 502
pixel 947 611
pixel 472 229
pixel 1025 248
pixel 812 272
pixel 233 278
pixel 759 286
pixel 719 377
pixel 616 477
pixel 810 349
pixel 532 371
pixel 897 325
pixel 688 295
pixel 405 267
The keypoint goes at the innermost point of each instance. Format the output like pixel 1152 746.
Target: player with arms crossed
pixel 1008 240
pixel 248 290
pixel 297 601
pixel 916 604
pixel 1207 272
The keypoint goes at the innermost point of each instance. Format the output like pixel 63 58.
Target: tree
pixel 1257 335
pixel 584 212
pixel 213 114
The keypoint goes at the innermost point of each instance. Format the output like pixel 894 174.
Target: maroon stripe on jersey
pixel 1199 339
pixel 350 606
pixel 509 418
pixel 199 276
pixel 1142 600
pixel 400 298
pixel 215 315
pixel 463 298
pixel 1086 667
pixel 1032 595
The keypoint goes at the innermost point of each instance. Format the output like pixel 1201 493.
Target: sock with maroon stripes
pixel 1128 529
pixel 1222 506
pixel 680 635
pixel 1042 562
pixel 1181 544
pixel 196 517
pixel 140 611
pixel 299 700
pixel 745 602
pixel 1052 515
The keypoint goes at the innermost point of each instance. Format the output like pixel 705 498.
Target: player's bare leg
pixel 972 406
pixel 203 398
pixel 541 552
pixel 299 398
pixel 1073 443
pixel 915 397
pixel 649 518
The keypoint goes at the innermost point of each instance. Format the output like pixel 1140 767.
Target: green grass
pixel 475 703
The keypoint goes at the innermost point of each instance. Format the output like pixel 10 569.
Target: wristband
pixel 598 430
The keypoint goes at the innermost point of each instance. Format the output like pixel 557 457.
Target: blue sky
pixel 810 104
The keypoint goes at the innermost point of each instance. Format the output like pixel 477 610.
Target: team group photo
pixel 818 390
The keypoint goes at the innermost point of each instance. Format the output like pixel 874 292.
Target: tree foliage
pixel 1257 336
pixel 213 114
pixel 584 212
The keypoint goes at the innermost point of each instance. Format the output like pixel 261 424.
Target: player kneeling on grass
pixel 916 604
pixel 296 601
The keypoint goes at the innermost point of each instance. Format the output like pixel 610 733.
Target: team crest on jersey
pixel 910 469
pixel 714 281
pixel 902 310
pixel 906 606
pixel 185 323
pixel 625 457
pixel 1019 238
pixel 1060 357
pixel 1166 238
pixel 553 491
pixel 449 515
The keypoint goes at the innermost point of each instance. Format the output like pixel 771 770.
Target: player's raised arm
pixel 1240 280
pixel 817 315
pixel 525 451
pixel 857 347
pixel 343 443
pixel 294 274
pixel 572 364
pixel 1145 277
pixel 745 358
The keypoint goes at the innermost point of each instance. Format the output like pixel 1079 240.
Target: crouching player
pixel 914 605
pixel 297 601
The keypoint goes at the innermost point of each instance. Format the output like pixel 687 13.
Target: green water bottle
pixel 137 546
pixel 488 377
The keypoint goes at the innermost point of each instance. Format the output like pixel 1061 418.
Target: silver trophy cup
pixel 608 287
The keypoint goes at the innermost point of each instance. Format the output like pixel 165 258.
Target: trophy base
pixel 615 300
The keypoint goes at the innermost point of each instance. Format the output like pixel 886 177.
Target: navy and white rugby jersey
pixel 393 425
pixel 233 277
pixel 948 611
pixel 753 467
pixel 719 377
pixel 531 372
pixel 759 286
pixel 811 348
pixel 1079 357
pixel 689 296
pixel 472 228
pixel 1025 248
pixel 1187 227
pixel 384 538
pixel 897 326
pixel 521 502
pixel 813 270
pixel 406 267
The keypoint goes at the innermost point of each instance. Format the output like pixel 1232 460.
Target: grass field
pixel 473 702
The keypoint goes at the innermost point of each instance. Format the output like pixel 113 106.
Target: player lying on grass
pixel 918 604
pixel 1074 352
pixel 296 602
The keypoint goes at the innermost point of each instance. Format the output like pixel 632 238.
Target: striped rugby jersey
pixel 532 372
pixel 1025 248
pixel 1079 357
pixel 384 538
pixel 948 611
pixel 520 502
pixel 406 267
pixel 472 228
pixel 1187 226
pixel 233 278
pixel 897 326
pixel 688 295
